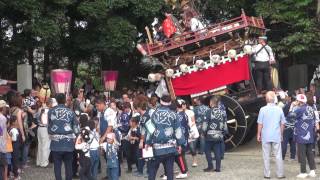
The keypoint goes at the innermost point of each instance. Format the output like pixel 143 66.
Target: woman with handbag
pixel 213 128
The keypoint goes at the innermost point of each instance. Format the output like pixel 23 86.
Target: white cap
pixel 3 104
pixel 301 98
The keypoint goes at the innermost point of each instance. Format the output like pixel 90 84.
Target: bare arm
pixel 282 129
pixel 259 132
pixel 20 124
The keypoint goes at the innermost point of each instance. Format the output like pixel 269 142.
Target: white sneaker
pixel 194 165
pixel 182 176
pixel 312 173
pixel 302 175
pixel 164 177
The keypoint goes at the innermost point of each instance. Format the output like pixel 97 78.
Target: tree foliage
pixel 74 31
pixel 294 27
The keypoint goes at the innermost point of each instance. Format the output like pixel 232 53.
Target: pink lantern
pixel 110 80
pixel 61 80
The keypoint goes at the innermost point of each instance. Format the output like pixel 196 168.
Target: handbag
pixel 194 133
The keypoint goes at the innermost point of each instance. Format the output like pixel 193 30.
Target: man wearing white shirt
pixel 263 58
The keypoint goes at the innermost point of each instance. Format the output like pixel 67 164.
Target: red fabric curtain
pixel 213 77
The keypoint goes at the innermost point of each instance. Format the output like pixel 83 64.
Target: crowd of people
pixel 87 131
pixel 84 129
pixel 289 119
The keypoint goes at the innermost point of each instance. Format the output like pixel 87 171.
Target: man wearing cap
pixel 166 138
pixel 305 134
pixel 62 128
pixel 3 140
pixel 271 122
pixel 263 58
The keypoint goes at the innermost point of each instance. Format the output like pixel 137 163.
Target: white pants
pixel 43 147
pixel 267 148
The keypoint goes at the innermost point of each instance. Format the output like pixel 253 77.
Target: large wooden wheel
pixel 237 122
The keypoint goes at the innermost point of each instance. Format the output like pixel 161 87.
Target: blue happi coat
pixel 183 119
pixel 200 113
pixel 304 130
pixel 168 133
pixel 63 127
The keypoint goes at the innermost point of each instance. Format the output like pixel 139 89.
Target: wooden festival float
pixel 214 60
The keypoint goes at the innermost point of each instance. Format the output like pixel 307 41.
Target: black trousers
pixel 262 76
pixel 305 152
pixel 75 164
pixel 131 153
pixel 16 158
pixel 167 161
pixel 66 158
pixel 85 168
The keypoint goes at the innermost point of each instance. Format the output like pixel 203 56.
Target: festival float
pixel 211 60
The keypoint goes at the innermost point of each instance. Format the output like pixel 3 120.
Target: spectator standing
pixel 193 133
pixel 288 134
pixel 271 122
pixel 305 134
pixel 166 138
pixel 83 145
pixel 16 144
pixel 180 158
pixel 213 127
pixel 132 141
pixel 62 127
pixel 43 136
pixel 200 111
pixel 3 141
pixel 112 145
pixel 141 106
pixel 94 148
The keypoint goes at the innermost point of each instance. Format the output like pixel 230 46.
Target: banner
pixel 213 77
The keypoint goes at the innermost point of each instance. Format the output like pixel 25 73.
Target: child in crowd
pixel 16 144
pixel 111 148
pixel 94 148
pixel 9 149
pixel 132 141
pixel 83 145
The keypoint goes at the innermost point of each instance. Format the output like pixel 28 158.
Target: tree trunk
pixel 31 61
pixel 46 64
pixel 318 10
pixel 73 66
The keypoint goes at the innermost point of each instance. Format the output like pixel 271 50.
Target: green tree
pixel 294 27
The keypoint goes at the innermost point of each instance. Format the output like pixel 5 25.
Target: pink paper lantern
pixel 110 79
pixel 61 80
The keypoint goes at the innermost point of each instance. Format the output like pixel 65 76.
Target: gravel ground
pixel 245 163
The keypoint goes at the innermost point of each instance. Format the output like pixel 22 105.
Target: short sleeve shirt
pixel 271 117
pixel 3 133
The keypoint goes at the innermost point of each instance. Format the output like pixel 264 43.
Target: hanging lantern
pixel 152 78
pixel 184 68
pixel 215 58
pixel 110 79
pixel 200 64
pixel 232 53
pixel 61 81
pixel 169 73
pixel 247 49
